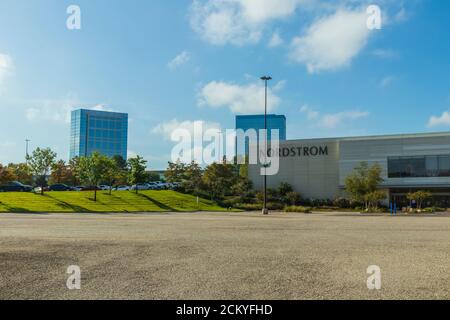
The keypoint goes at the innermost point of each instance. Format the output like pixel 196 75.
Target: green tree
pixel 113 172
pixel 419 197
pixel 61 173
pixel 284 188
pixel 241 186
pixel 22 172
pixel 153 177
pixel 363 181
pixel 6 175
pixel 137 171
pixel 120 162
pixel 176 172
pixel 73 167
pixel 40 163
pixel 218 179
pixel 292 198
pixel 93 169
pixel 121 165
pixel 193 177
pixel 373 198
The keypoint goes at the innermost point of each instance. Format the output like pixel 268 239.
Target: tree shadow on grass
pixel 66 205
pixel 18 209
pixel 157 203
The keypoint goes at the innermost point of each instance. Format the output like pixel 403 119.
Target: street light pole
pixel 265 211
pixel 26 150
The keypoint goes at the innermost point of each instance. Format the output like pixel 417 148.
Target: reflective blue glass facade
pixel 101 131
pixel 274 122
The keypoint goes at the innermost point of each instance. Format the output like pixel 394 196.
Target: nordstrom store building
pixel 317 168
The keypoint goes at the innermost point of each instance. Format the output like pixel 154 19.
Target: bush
pixel 433 210
pixel 321 203
pixel 249 206
pixel 342 203
pixel 274 206
pixel 292 198
pixel 230 202
pixel 297 209
pixel 284 189
pixel 374 210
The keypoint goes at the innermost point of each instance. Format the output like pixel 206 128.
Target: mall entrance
pixel 440 197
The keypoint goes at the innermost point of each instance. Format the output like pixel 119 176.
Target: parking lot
pixel 223 256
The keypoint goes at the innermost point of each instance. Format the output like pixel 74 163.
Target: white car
pixel 123 188
pixel 153 186
pixel 104 187
pixel 165 186
pixel 141 186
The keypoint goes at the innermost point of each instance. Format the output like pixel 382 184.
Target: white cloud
pixel 310 113
pixel 401 15
pixel 58 110
pixel 51 110
pixel 6 67
pixel 237 22
pixel 101 107
pixel 179 60
pixel 275 41
pixel 332 120
pixel 443 120
pixel 196 129
pixel 279 85
pixel 332 42
pixel 131 154
pixel 167 128
pixel 240 99
pixel 385 53
pixel 387 81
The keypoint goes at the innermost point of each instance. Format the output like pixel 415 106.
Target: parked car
pixel 161 185
pixel 122 188
pixel 89 188
pixel 60 187
pixel 141 186
pixel 15 186
pixel 104 187
pixel 39 189
pixel 174 185
pixel 78 188
pixel 164 186
pixel 153 186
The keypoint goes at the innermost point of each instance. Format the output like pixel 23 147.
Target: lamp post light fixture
pixel 265 211
pixel 27 141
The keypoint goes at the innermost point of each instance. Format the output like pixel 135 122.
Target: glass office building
pixel 274 122
pixel 101 131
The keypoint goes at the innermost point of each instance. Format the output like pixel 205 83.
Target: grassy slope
pixel 120 201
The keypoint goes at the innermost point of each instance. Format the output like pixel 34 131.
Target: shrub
pixel 249 206
pixel 419 197
pixel 292 198
pixel 433 210
pixel 297 209
pixel 284 189
pixel 321 203
pixel 342 203
pixel 275 206
pixel 231 202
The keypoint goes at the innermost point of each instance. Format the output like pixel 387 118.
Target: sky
pixel 170 63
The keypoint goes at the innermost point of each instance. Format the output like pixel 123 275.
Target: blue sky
pixel 169 63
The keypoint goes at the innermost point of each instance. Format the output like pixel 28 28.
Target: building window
pixel 419 167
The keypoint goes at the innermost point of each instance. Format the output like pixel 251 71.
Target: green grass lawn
pixel 118 201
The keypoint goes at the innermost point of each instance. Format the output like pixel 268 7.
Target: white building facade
pixel 317 168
